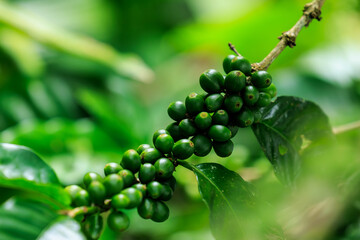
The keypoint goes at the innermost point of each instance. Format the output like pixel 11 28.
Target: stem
pixel 232 48
pixel 79 211
pixel 311 10
pixel 346 127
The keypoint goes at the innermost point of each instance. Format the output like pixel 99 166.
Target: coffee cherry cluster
pixel 231 101
pixel 144 177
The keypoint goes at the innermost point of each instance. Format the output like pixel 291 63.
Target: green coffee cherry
pixel 118 221
pixel 158 133
pixel 92 226
pixel 147 172
pixel 233 103
pixel 154 189
pixel 81 198
pixel 245 118
pixel 164 143
pixel 241 64
pixel 150 155
pixel 111 168
pixel 214 102
pixel 128 177
pixel 227 62
pixel 235 81
pixel 91 176
pixel 167 193
pixel 142 147
pixel 72 190
pixel 219 133
pixel 113 184
pixel 183 149
pixel 177 110
pixel 211 81
pixel 164 168
pixel 134 195
pixel 175 131
pixel 270 90
pixel 261 79
pixel 187 127
pixel 171 182
pixel 97 192
pixel 203 120
pixel 202 145
pixel 141 188
pixel 120 201
pixel 131 160
pixel 146 208
pixel 233 129
pixel 194 103
pixel 223 149
pixel 220 117
pixel 257 116
pixel 161 212
pixel 264 100
pixel 250 95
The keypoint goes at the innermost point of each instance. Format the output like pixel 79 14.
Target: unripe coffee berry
pixel 113 184
pixel 183 149
pixel 227 62
pixel 118 221
pixel 81 198
pixel 175 131
pixel 177 110
pixel 203 120
pixel 147 208
pixel 270 90
pixel 241 64
pixel 164 168
pixel 261 79
pixel 154 189
pixel 127 176
pixel 91 176
pixel 194 103
pixel 120 201
pixel 97 192
pixel 164 143
pixel 111 168
pixel 161 212
pixel 134 195
pixel 219 133
pixel 211 81
pixel 223 149
pixel 131 160
pixel 150 155
pixel 245 118
pixel 214 102
pixel 166 194
pixel 233 103
pixel 202 145
pixel 141 188
pixel 235 81
pixel 250 95
pixel 158 133
pixel 220 117
pixel 72 190
pixel 187 127
pixel 147 172
pixel 142 147
pixel 264 100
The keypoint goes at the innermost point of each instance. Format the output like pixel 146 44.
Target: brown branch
pixel 232 48
pixel 346 127
pixel 311 11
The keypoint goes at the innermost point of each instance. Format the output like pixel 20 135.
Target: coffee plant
pixel 292 132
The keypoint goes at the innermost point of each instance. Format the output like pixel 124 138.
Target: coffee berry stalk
pixel 144 177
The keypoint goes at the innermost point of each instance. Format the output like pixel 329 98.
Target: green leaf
pixel 290 129
pixel 20 162
pixel 28 219
pixel 21 169
pixel 228 197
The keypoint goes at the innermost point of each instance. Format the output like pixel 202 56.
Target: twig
pixel 346 127
pixel 79 211
pixel 311 11
pixel 232 48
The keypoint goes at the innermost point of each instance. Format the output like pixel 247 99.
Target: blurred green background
pixel 81 81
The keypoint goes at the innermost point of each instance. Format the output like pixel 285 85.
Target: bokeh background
pixel 81 81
